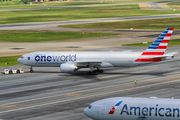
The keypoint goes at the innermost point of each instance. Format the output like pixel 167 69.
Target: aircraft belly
pixel 46 65
pixel 139 63
pixel 122 62
pixel 117 116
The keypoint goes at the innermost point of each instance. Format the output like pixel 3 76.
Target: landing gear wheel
pixel 89 73
pixel 101 71
pixel 95 72
pixel 31 69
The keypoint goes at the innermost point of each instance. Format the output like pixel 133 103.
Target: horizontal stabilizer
pixel 170 54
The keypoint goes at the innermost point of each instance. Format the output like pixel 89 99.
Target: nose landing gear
pixel 31 69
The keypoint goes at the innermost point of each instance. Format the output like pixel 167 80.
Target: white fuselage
pixel 55 59
pixel 126 108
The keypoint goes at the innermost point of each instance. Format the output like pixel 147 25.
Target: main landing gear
pixel 31 69
pixel 95 72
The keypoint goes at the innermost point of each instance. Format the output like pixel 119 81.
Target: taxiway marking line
pixel 78 92
pixel 82 91
pixel 87 96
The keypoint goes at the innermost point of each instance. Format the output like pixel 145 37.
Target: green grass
pixel 152 24
pixel 11 5
pixel 24 16
pixel 175 5
pixel 12 60
pixel 42 36
pixel 2 4
pixel 125 1
pixel 171 43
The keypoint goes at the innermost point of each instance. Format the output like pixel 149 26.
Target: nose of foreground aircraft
pixel 92 112
pixel 87 112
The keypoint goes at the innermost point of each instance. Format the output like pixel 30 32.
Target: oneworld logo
pixel 62 58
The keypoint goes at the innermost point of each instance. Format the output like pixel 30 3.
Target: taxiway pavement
pixel 48 25
pixel 48 94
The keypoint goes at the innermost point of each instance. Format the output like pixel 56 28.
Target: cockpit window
pixel 22 57
pixel 90 106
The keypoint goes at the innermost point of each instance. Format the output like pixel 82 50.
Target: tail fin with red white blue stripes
pixel 158 47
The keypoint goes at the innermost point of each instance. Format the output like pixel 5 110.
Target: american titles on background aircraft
pixel 127 108
pixel 95 61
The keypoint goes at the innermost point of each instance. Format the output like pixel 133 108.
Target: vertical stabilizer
pixel 159 46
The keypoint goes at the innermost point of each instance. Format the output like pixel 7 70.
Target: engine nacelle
pixel 68 68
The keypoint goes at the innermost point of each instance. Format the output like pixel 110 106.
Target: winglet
pixel 159 46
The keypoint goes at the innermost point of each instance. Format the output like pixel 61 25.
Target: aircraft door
pixel 105 57
pixel 103 110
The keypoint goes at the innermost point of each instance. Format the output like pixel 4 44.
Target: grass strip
pixel 19 4
pixel 14 5
pixel 60 14
pixel 9 61
pixel 171 43
pixel 175 5
pixel 43 36
pixel 152 24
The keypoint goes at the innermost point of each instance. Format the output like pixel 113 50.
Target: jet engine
pixel 68 68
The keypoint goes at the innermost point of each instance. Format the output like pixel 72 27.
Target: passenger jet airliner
pixel 126 108
pixel 72 61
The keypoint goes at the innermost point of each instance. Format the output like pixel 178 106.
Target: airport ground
pixel 48 94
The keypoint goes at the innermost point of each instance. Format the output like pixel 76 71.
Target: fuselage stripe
pixel 148 59
pixel 153 53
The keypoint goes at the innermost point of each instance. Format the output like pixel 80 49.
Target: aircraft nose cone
pixel 19 60
pixel 87 112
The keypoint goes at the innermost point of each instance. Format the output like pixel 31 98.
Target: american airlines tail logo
pixel 157 48
pixel 114 108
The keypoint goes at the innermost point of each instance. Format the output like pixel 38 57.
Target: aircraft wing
pixel 87 63
pixel 93 63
